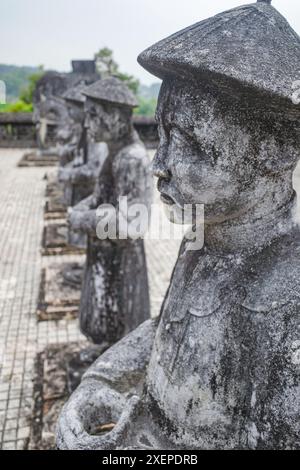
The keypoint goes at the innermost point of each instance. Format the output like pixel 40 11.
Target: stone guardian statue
pixel 220 369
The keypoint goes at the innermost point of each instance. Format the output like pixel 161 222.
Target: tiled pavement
pixel 21 336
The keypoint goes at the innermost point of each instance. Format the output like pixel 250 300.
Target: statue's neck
pixel 271 216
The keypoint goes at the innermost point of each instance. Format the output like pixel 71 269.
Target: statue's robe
pixel 224 369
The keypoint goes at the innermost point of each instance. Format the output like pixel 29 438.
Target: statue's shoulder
pixel 273 279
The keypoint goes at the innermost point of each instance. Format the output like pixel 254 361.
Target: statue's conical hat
pixel 251 46
pixel 74 94
pixel 111 90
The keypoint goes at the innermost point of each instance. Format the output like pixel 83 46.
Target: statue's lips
pixel 164 188
pixel 167 199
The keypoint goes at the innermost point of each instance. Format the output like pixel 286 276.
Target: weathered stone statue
pixel 49 109
pixel 67 150
pixel 72 143
pixel 80 162
pixel 79 176
pixel 71 138
pixel 220 369
pixel 50 114
pixel 51 121
pixel 64 193
pixel 115 296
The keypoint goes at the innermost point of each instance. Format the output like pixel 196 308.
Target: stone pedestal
pixel 57 241
pixel 35 159
pixel 60 291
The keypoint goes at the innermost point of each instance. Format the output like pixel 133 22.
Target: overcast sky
pixel 52 32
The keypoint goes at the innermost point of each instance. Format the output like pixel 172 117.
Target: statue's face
pixel 53 109
pixel 201 158
pixel 106 122
pixel 76 112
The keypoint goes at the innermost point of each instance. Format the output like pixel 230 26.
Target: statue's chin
pixel 174 214
pixel 187 216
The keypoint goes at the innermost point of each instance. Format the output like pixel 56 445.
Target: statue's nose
pixel 159 167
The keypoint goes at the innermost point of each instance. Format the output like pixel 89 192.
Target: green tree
pixel 147 107
pixel 105 62
pixel 107 66
pixel 15 78
pixel 26 94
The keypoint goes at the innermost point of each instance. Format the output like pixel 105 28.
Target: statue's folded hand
pixel 95 417
pixel 75 218
pixel 83 221
pixel 64 175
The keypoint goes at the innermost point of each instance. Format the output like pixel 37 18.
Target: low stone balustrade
pixel 17 130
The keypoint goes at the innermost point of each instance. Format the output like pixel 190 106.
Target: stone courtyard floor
pixel 22 199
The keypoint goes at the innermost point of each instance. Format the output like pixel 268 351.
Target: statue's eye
pixel 93 113
pixel 181 135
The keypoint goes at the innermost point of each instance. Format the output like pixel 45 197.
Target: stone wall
pixel 17 130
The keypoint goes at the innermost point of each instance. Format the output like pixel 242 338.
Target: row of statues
pixel 115 294
pixel 219 369
pixel 102 160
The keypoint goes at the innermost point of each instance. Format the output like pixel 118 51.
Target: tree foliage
pixel 26 94
pixel 24 104
pixel 107 66
pixel 147 107
pixel 17 107
pixel 105 62
pixel 15 78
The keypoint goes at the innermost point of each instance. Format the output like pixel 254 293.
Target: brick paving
pixel 22 198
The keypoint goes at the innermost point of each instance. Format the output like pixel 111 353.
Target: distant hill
pixel 16 79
